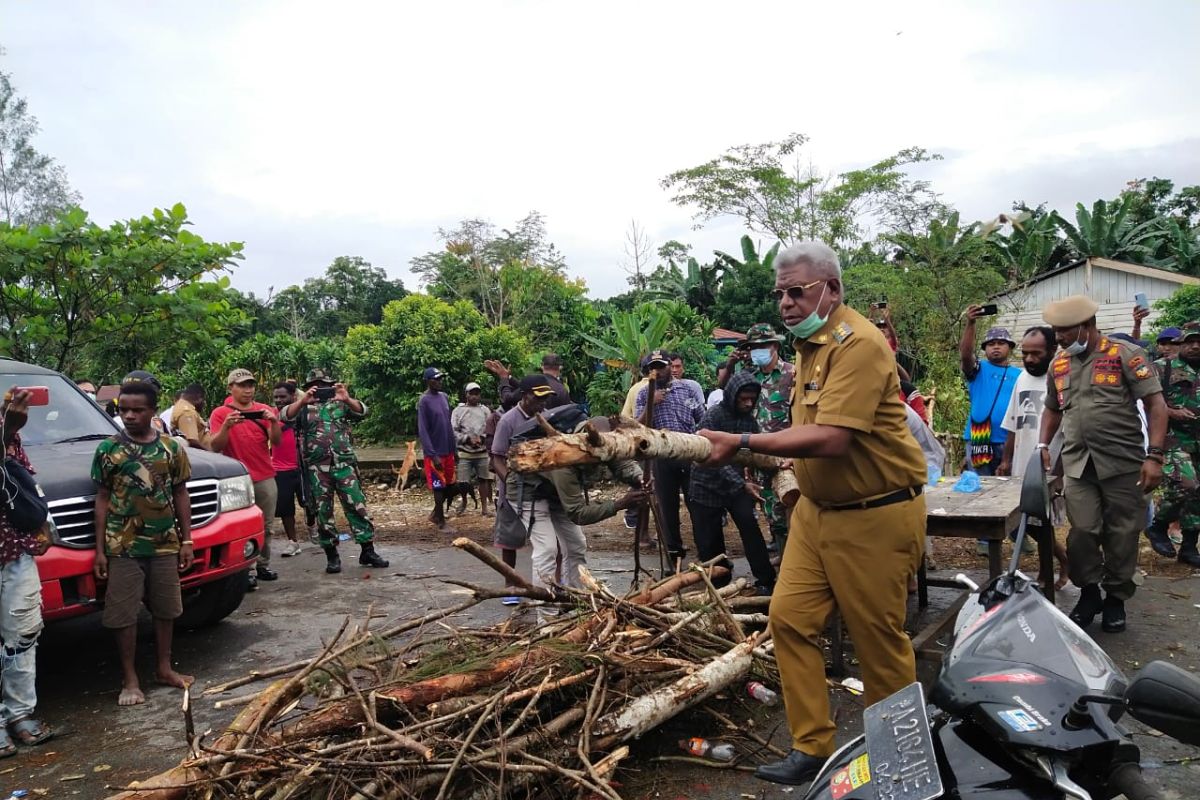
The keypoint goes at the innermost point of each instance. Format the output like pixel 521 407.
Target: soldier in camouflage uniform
pixel 328 459
pixel 1180 377
pixel 759 354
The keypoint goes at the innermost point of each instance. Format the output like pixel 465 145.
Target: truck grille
pixel 75 519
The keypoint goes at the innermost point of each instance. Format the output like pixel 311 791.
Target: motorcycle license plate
pixel 903 765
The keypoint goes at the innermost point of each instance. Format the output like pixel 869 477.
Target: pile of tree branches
pixel 487 712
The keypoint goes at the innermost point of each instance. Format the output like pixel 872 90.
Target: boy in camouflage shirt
pixel 330 464
pixel 143 533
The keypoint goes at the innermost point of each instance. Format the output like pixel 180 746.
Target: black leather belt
pixel 887 500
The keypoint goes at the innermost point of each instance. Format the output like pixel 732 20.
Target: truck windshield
pixel 70 416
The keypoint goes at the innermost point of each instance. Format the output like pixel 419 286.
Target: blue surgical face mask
pixel 813 322
pixel 1076 347
pixel 760 356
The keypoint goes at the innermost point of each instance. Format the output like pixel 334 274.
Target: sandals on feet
pixel 30 732
pixel 7 748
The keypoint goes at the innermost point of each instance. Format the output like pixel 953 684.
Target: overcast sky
pixel 312 130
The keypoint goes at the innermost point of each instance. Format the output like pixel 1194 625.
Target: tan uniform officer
pixel 1091 392
pixel 858 531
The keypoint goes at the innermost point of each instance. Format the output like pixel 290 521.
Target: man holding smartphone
pixel 323 416
pixel 990 384
pixel 246 431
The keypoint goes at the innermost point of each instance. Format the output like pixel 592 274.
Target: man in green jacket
pixel 552 506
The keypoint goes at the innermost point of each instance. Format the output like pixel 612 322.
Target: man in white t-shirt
pixel 1023 420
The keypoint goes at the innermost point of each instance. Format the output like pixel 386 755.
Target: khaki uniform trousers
pixel 1107 517
pixel 860 561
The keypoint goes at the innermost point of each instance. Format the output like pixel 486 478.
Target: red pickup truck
pixel 60 439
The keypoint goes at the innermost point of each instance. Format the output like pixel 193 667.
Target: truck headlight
pixel 237 492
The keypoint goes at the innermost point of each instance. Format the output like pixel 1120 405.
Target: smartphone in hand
pixel 1141 301
pixel 989 310
pixel 38 395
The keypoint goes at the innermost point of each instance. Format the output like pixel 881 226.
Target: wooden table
pixel 989 514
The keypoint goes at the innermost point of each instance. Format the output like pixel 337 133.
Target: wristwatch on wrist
pixel 1042 446
pixel 744 446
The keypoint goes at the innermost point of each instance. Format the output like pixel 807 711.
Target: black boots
pixel 1112 619
pixel 1160 542
pixel 369 558
pixel 797 769
pixel 1090 604
pixel 333 561
pixel 1188 552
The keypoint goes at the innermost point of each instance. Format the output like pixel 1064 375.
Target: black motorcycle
pixel 1027 707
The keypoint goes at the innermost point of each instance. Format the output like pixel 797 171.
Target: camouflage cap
pixel 318 376
pixel 762 333
pixel 1189 330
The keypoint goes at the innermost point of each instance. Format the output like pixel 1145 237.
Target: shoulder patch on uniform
pixel 1142 372
pixel 1062 364
pixel 1136 362
pixel 842 332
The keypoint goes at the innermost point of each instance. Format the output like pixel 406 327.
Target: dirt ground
pixel 101 746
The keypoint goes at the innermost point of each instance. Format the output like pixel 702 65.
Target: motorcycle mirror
pixel 1167 699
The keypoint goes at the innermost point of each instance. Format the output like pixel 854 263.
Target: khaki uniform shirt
pixel 188 422
pixel 630 407
pixel 846 377
pixel 1097 393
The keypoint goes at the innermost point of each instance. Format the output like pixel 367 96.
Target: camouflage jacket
pixel 323 432
pixel 1181 389
pixel 774 402
pixel 140 479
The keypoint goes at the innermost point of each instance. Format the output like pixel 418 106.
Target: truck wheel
pixel 213 602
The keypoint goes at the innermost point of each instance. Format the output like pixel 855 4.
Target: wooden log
pixel 348 713
pixel 628 441
pixel 650 596
pixel 648 711
pixel 513 577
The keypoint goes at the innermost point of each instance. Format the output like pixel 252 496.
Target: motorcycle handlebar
pixel 1127 780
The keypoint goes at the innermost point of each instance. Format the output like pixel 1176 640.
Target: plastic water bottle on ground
pixel 934 473
pixel 703 748
pixel 762 694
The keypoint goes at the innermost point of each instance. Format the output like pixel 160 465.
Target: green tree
pixel 469 265
pixel 72 292
pixel 386 361
pixel 767 187
pixel 33 186
pixel 351 292
pixel 745 294
pixel 1032 245
pixel 1108 231
pixel 666 325
pixel 1182 307
pixel 272 358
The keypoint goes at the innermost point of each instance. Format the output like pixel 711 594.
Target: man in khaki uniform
pixel 1092 392
pixel 858 531
pixel 186 419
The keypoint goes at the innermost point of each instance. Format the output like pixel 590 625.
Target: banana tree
pixel 698 287
pixel 1107 231
pixel 1032 245
pixel 1183 248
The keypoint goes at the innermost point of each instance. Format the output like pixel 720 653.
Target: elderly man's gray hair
pixel 820 256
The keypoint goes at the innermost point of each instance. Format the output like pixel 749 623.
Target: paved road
pixel 287 620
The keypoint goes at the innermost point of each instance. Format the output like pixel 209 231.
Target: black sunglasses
pixel 794 293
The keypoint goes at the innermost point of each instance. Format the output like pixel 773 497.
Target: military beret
pixel 1070 311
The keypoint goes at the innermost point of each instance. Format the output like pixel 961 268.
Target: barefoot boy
pixel 143 525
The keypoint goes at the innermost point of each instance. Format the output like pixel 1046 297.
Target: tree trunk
pixel 651 710
pixel 348 713
pixel 628 441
